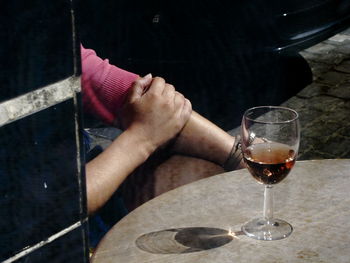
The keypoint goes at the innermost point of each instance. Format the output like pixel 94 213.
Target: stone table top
pixel 201 221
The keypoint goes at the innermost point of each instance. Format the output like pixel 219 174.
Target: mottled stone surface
pixel 39 99
pixel 314 198
pixel 324 105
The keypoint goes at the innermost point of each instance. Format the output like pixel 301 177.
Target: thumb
pixel 139 87
pixel 146 80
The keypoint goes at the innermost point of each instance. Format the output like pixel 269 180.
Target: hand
pixel 157 114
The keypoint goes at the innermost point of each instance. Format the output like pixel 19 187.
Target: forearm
pixel 203 139
pixel 151 119
pixel 106 172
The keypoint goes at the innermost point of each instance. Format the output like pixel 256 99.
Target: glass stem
pixel 268 203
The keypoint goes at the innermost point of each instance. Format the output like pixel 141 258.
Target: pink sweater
pixel 104 86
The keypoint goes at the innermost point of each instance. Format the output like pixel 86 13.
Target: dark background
pixel 224 55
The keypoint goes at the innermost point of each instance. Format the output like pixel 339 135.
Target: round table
pixel 201 221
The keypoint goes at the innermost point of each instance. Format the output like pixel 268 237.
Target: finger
pixel 157 86
pixel 179 99
pixel 183 106
pixel 139 87
pixel 179 102
pixel 136 91
pixel 186 110
pixel 168 91
pixel 146 82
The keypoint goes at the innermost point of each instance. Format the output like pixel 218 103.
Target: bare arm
pixel 203 139
pixel 153 118
pixel 106 172
pixel 200 138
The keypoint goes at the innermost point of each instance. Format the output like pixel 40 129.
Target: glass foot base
pixel 263 229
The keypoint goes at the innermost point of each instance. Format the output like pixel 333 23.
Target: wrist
pixel 138 139
pixel 235 158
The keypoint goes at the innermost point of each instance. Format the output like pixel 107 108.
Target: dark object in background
pixel 224 55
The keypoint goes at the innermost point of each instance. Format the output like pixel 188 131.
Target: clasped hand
pixel 155 111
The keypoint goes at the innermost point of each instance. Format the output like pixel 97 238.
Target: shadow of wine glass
pixel 184 240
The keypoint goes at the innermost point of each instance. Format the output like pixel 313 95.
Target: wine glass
pixel 270 142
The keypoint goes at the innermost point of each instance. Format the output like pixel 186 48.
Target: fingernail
pixel 148 76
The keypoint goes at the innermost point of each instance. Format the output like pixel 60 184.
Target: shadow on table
pixel 184 240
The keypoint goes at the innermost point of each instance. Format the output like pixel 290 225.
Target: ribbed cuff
pixel 115 86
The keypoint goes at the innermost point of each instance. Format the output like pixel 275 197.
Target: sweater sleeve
pixel 104 86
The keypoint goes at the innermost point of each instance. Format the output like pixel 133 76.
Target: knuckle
pixel 159 79
pixel 153 95
pixel 189 104
pixel 170 86
pixel 166 104
pixel 169 89
pixel 180 98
